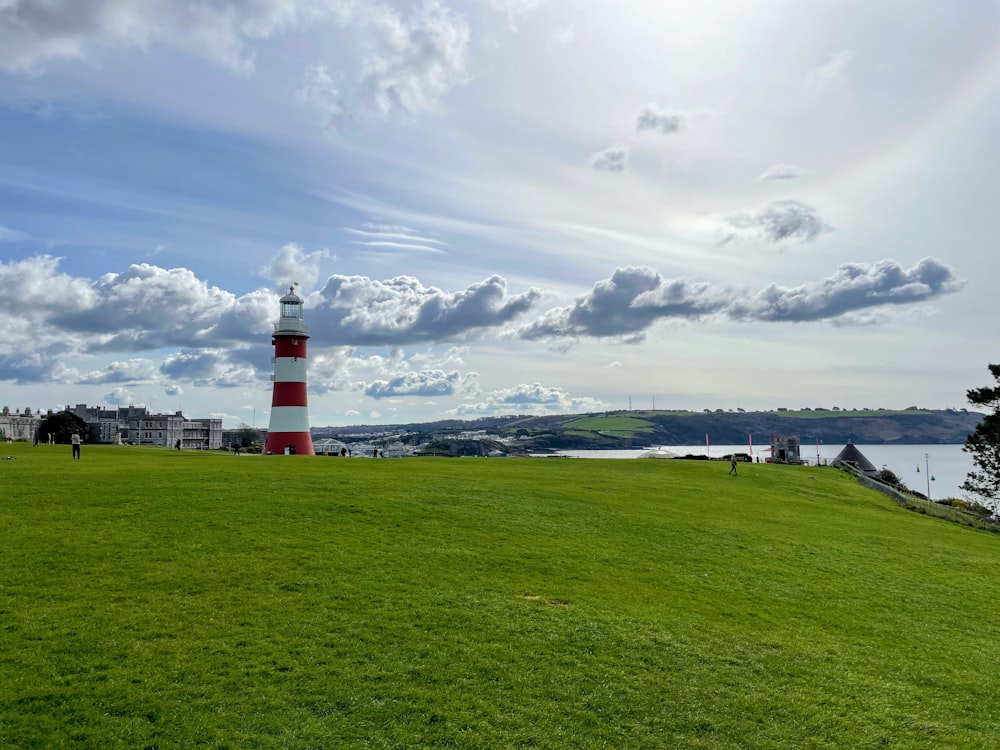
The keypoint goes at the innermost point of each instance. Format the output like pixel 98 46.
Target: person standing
pixel 732 461
pixel 75 442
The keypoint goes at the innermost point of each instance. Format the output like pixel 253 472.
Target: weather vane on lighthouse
pixel 288 429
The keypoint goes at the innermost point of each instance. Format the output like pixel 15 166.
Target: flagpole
pixel 708 449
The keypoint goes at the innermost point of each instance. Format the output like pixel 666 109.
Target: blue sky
pixel 498 206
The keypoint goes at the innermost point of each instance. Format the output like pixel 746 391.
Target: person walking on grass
pixel 75 442
pixel 732 462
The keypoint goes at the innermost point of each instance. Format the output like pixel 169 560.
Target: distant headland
pixel 639 428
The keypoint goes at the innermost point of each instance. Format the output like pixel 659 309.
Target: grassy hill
pixel 643 428
pixel 150 598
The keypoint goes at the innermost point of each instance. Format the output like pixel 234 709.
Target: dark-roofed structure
pixel 851 455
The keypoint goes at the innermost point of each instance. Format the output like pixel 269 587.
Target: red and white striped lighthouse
pixel 288 429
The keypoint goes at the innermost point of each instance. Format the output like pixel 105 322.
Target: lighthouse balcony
pixel 291 326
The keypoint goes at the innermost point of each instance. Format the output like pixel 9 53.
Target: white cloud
pixel 120 396
pixel 35 32
pixel 293 264
pixel 780 221
pixel 856 289
pixel 414 64
pixel 207 367
pixel 37 279
pixel 410 65
pixel 453 356
pixel 515 10
pixel 423 374
pixel 564 35
pixel 627 304
pixel 147 307
pixel 217 340
pixel 612 159
pixel 320 91
pixel 362 311
pixel 395 237
pixel 243 321
pixel 832 74
pixel 634 299
pixel 129 371
pixel 780 172
pixel 533 398
pixel 426 383
pixel 654 117
pixel 53 316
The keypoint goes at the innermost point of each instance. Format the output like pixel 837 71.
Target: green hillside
pixel 631 429
pixel 150 598
pixel 641 428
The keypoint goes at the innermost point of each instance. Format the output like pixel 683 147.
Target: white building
pixel 135 425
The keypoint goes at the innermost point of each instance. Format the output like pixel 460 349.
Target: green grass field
pixel 150 598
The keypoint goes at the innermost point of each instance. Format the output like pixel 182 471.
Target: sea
pixel 937 471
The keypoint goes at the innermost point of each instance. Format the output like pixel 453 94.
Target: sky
pixel 498 206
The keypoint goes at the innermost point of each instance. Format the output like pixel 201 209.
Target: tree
pixel 984 444
pixel 245 435
pixel 61 426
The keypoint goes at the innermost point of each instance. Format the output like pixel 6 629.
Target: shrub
pixel 888 477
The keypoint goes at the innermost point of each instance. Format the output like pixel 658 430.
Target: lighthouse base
pixel 289 443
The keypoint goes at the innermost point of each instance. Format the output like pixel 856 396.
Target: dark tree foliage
pixel 62 426
pixel 984 444
pixel 886 476
pixel 245 435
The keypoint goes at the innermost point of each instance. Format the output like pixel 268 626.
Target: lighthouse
pixel 288 429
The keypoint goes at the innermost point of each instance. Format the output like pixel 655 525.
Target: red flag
pixel 751 443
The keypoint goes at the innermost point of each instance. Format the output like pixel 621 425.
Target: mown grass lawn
pixel 150 598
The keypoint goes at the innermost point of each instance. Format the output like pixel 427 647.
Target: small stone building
pixel 785 449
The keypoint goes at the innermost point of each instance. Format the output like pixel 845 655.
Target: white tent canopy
pixel 657 453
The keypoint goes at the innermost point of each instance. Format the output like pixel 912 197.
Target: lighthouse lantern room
pixel 288 429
